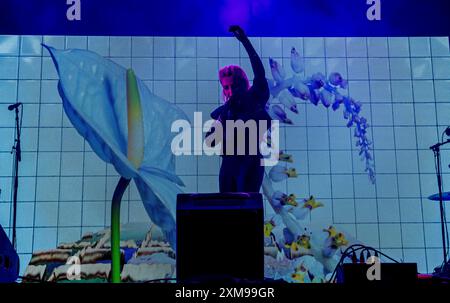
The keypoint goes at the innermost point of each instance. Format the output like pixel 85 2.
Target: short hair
pixel 238 74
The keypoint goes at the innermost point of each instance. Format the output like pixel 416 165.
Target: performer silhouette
pixel 242 173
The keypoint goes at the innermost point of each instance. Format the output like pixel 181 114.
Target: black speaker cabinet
pixel 220 237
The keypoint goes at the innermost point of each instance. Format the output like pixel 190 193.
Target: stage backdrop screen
pixel 402 84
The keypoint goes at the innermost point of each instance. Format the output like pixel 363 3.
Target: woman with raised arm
pixel 241 169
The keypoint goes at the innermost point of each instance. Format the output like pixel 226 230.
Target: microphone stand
pixel 436 149
pixel 17 158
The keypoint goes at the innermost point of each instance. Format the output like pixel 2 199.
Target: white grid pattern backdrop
pixel 403 83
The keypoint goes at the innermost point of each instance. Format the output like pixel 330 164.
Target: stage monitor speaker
pixel 220 237
pixel 9 260
pixel 390 273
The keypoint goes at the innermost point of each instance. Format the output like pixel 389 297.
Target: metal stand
pixel 436 149
pixel 17 158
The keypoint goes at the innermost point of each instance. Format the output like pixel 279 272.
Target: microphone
pixel 14 106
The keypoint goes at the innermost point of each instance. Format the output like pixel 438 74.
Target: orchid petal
pixel 288 100
pixel 277 69
pixel 296 63
pixel 278 173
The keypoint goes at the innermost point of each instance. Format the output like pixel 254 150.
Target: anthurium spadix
pixel 127 126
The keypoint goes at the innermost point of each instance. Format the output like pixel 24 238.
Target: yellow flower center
pixel 135 148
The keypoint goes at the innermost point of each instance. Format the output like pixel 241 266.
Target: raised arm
pixel 260 86
pixel 257 66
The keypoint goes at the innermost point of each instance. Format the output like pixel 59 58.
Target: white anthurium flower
pixel 132 133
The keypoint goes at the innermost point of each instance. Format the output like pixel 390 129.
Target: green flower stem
pixel 115 228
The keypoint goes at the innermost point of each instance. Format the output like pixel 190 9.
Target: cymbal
pixel 445 196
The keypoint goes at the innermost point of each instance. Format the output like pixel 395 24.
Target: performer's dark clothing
pixel 241 174
pixel 244 173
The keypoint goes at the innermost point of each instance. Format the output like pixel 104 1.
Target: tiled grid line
pixel 290 149
pixel 233 57
pixel 418 161
pixel 107 210
pixel 11 209
pixel 387 247
pixel 373 144
pixel 262 58
pixel 329 141
pixel 215 176
pixel 60 173
pixel 395 152
pixel 351 145
pixel 83 174
pixel 135 200
pixel 37 151
pixel 337 222
pixel 197 158
pixel 83 166
pixel 290 127
pixel 439 138
pixel 307 134
pixel 252 37
pixel 286 188
pixel 214 103
pixel 60 170
pixel 196 90
pixel 305 105
pixel 212 174
pixel 131 183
